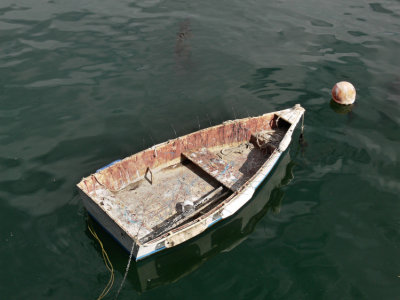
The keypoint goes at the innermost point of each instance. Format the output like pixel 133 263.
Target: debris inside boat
pixel 173 191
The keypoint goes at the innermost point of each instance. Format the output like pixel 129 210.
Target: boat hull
pixel 89 189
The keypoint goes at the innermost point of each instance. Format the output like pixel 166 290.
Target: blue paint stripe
pixel 150 253
pixel 213 222
pixel 109 165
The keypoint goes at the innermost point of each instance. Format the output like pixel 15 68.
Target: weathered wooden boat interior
pixel 168 185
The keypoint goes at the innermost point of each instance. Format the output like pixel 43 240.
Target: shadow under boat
pixel 176 263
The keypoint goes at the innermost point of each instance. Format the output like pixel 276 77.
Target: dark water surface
pixel 83 83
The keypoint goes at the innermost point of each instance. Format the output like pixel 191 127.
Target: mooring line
pixel 108 264
pixel 130 260
pixel 127 269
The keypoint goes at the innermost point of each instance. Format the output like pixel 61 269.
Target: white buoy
pixel 344 93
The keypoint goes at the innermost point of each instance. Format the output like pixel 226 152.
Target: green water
pixel 83 83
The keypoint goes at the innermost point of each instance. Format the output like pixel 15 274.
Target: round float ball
pixel 344 93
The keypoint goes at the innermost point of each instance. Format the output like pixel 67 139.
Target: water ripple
pixel 85 83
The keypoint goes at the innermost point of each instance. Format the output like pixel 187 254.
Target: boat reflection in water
pixel 176 263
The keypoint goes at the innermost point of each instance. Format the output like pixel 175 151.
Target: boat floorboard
pixel 143 205
pixel 216 167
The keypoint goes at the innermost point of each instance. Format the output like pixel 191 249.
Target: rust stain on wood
pixel 121 174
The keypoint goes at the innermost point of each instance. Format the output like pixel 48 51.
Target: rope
pixel 273 137
pixel 301 137
pixel 129 263
pixel 126 270
pixel 238 149
pixel 107 262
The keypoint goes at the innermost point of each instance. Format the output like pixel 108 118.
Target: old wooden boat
pixel 167 194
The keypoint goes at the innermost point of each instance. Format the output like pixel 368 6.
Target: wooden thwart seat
pixel 223 172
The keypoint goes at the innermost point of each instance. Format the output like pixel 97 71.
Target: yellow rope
pixel 107 263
